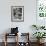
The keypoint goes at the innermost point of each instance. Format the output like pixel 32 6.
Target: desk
pixel 17 43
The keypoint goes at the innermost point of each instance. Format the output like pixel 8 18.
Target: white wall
pixel 29 15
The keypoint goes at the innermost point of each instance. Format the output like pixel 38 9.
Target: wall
pixel 29 15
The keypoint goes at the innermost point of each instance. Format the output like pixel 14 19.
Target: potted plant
pixel 39 35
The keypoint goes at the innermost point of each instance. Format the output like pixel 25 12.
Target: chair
pixel 25 37
pixel 7 35
pixel 14 32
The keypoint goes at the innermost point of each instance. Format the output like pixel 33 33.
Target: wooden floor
pixel 13 44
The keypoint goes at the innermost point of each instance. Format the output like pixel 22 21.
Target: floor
pixel 13 44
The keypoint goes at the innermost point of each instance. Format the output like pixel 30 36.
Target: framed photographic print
pixel 41 12
pixel 41 8
pixel 17 13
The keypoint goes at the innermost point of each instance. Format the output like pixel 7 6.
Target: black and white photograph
pixel 17 13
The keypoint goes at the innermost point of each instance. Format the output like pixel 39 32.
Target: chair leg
pixel 5 39
pixel 5 43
